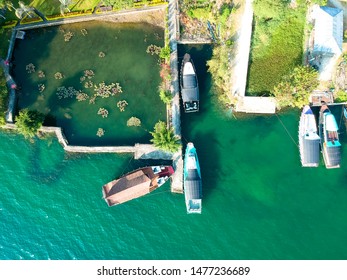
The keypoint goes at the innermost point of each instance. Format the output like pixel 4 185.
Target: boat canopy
pixel 188 69
pixel 330 122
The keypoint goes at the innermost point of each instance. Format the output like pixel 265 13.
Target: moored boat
pixel 192 180
pixel 189 85
pixel 136 184
pixel 328 132
pixel 308 138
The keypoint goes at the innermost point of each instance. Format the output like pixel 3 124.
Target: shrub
pixel 341 96
pixel 28 122
pixel 165 53
pixel 165 96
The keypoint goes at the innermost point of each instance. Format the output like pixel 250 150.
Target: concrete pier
pixel 175 120
pixel 247 104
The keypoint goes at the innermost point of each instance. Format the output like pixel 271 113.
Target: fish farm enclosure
pixel 93 79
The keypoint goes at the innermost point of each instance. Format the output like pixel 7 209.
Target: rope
pixel 151 194
pixel 127 165
pixel 296 144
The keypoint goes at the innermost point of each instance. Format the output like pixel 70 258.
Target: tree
pixel 24 10
pixel 164 138
pixel 28 122
pixel 295 89
pixel 64 5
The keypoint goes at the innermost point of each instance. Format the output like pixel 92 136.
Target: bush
pixel 165 96
pixel 28 122
pixel 341 96
pixel 165 53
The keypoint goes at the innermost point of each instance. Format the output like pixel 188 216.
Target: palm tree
pixel 65 5
pixel 164 138
pixel 24 10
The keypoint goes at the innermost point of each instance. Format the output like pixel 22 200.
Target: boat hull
pixel 189 85
pixel 308 139
pixel 192 181
pixel 329 138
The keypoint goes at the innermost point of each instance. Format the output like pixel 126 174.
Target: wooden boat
pixel 192 180
pixel 189 85
pixel 136 184
pixel 308 138
pixel 328 132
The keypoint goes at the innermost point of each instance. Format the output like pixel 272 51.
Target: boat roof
pixel 193 188
pixel 330 122
pixel 134 180
pixel 188 69
pixel 310 152
pixel 190 94
pixel 189 81
pixel 334 155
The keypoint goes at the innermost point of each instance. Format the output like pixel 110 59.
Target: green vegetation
pixel 276 44
pixel 165 96
pixel 165 53
pixel 164 138
pixel 294 89
pixel 3 97
pixel 340 96
pixel 29 122
pixel 219 64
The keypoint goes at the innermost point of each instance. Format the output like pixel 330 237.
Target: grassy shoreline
pixel 276 49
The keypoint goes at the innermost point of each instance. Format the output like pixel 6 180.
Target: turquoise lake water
pixel 258 202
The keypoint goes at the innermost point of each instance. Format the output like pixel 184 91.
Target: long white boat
pixel 136 184
pixel 330 144
pixel 192 180
pixel 189 85
pixel 308 139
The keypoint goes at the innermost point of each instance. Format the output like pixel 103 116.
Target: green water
pixel 258 203
pixel 126 62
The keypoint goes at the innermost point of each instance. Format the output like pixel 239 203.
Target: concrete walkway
pixel 75 19
pixel 247 104
pixel 11 85
pixel 177 178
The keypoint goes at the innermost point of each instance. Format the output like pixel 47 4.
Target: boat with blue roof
pixel 330 143
pixel 192 180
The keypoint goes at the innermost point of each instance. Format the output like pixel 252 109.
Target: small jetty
pixel 330 144
pixel 192 180
pixel 136 184
pixel 189 85
pixel 308 139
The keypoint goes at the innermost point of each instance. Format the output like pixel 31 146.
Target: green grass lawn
pixel 52 7
pixel 276 50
